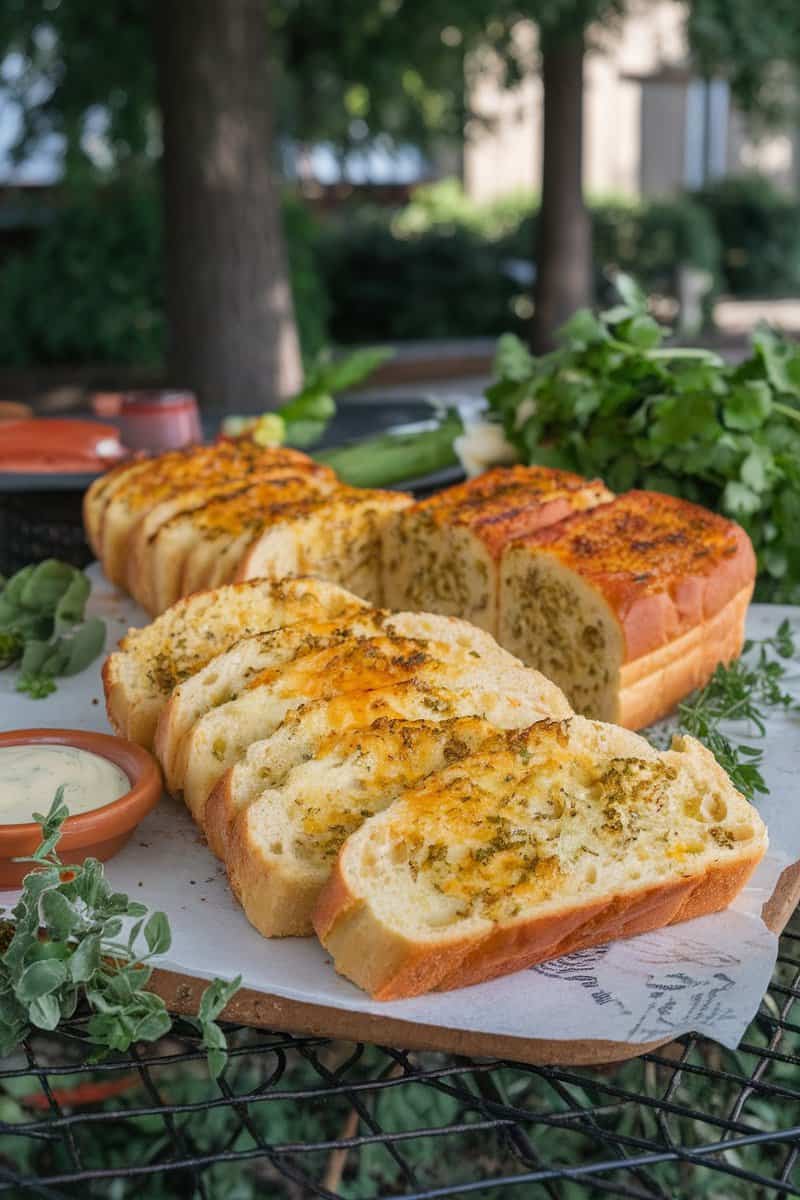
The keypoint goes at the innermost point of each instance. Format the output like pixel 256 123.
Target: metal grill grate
pixel 297 1117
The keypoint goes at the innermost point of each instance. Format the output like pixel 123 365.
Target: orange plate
pixel 99 833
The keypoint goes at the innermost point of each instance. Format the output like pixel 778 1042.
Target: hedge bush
pixel 90 290
pixel 437 284
pixel 758 228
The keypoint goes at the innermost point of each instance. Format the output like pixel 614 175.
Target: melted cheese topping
pixel 502 492
pixel 510 827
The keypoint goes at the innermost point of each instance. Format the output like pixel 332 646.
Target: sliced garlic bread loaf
pixel 340 541
pixel 575 834
pixel 98 494
pixel 152 580
pixel 220 738
pixel 304 730
pixel 442 553
pixel 139 677
pixel 198 548
pixel 179 473
pixel 255 659
pixel 628 607
pixel 282 846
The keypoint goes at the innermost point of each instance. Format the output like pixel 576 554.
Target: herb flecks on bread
pixel 441 554
pixel 629 607
pixel 140 677
pixel 571 834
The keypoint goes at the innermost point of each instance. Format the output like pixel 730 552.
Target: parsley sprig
pixel 613 401
pixel 742 691
pixel 67 945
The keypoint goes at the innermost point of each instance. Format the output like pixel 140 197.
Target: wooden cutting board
pixel 181 994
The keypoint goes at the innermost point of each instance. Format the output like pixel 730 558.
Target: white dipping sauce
pixel 30 775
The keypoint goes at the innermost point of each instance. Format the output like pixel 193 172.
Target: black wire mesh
pixel 300 1117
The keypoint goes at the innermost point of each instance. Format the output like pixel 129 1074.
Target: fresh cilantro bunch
pixel 612 401
pixel 742 691
pixel 42 625
pixel 67 944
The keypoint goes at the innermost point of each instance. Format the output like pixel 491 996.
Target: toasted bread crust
pixel 392 967
pixel 509 502
pixel 662 565
pixel 274 902
pixel 173 475
pixel 651 686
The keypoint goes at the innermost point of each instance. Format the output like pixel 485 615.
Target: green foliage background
pixel 90 288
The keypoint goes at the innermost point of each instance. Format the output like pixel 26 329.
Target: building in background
pixel 651 127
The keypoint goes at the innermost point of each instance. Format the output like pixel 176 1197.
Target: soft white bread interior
pixel 303 730
pixel 221 737
pixel 139 677
pixel 340 541
pixel 282 846
pixel 442 553
pixel 574 834
pixel 255 659
pixel 628 607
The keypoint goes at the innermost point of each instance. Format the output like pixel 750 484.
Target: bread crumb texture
pixel 546 817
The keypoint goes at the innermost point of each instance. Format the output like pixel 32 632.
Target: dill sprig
pixel 744 690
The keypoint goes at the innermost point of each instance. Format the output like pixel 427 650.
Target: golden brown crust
pixel 397 969
pixel 180 475
pixel 511 502
pixel 276 904
pixel 662 565
pixel 651 686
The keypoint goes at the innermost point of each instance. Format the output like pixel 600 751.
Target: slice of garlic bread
pixel 145 567
pixel 200 547
pixel 139 677
pixel 574 834
pixel 98 495
pixel 340 541
pixel 282 847
pixel 255 658
pixel 217 740
pixel 303 730
pixel 631 606
pixel 442 553
pixel 179 473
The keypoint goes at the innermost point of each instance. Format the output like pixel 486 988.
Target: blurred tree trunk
pixel 232 334
pixel 563 253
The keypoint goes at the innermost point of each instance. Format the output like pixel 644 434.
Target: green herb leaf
pixel 741 691
pixel 40 979
pixel 216 996
pixel 157 934
pixel 44 970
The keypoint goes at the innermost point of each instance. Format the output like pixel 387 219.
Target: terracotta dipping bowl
pixel 96 834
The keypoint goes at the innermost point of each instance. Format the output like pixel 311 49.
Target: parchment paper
pixel 706 975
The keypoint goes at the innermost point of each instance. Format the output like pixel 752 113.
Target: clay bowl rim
pixel 99 824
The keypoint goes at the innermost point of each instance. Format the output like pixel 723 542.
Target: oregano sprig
pixel 67 943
